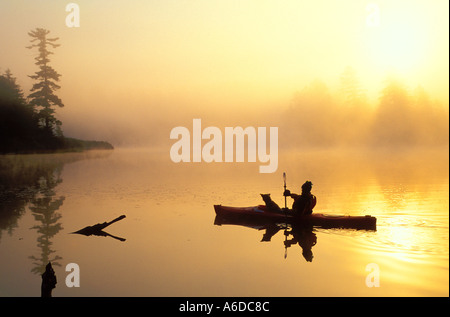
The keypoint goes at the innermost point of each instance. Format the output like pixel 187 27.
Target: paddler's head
pixel 306 187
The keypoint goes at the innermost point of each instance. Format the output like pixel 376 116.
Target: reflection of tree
pixel 18 185
pixel 44 211
pixel 30 181
pixel 12 207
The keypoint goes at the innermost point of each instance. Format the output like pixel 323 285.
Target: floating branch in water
pixel 97 230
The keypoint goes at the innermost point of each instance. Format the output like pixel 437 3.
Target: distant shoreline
pixel 87 144
pixel 67 145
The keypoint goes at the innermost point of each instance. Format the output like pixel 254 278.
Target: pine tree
pixel 19 128
pixel 350 88
pixel 43 98
pixel 9 89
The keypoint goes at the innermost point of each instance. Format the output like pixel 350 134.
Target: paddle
pixel 284 179
pixel 285 212
pixel 285 242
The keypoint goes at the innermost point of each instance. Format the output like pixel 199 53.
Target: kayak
pixel 259 215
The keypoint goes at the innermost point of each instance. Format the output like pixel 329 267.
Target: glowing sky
pixel 196 54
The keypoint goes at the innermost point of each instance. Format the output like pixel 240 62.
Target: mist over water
pixel 316 116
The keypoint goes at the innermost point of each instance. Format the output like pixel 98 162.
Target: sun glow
pixel 399 42
pixel 400 48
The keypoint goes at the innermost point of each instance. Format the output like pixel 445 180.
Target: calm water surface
pixel 173 248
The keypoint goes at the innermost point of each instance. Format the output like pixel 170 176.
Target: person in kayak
pixel 304 203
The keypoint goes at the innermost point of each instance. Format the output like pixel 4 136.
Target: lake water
pixel 173 248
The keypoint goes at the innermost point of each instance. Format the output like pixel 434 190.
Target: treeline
pixel 29 124
pixel 21 128
pixel 400 118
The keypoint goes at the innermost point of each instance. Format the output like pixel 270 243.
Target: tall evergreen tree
pixel 42 96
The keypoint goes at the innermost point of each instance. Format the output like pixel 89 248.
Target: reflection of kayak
pixel 261 215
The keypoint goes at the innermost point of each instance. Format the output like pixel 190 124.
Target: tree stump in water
pixel 48 281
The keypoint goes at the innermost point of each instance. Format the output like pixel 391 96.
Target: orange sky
pixel 130 59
